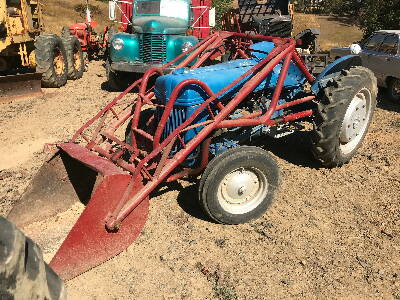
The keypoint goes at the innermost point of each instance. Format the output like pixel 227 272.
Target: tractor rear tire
pixel 76 64
pixel 343 116
pixel 51 60
pixel 65 32
pixel 239 185
pixel 23 273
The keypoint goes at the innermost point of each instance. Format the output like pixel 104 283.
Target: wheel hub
pixel 59 63
pixel 77 61
pixel 242 190
pixel 239 186
pixel 355 121
pixel 355 118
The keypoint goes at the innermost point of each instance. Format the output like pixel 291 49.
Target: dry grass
pixel 59 13
pixel 334 32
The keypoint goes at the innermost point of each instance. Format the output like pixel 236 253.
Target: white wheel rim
pixel 355 121
pixel 242 190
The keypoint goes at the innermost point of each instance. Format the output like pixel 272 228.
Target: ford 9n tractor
pixel 196 120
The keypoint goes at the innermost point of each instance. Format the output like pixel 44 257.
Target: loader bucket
pixel 58 184
pixel 75 174
pixel 20 86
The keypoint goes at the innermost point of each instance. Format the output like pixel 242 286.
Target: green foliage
pixel 221 7
pixel 380 14
pixel 370 15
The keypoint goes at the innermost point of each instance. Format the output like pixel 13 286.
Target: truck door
pixel 387 59
pixel 370 51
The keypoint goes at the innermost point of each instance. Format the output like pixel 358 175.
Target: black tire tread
pixel 44 50
pixel 212 169
pixel 71 44
pixel 23 272
pixel 334 100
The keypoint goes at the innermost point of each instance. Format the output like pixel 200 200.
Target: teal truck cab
pixel 154 32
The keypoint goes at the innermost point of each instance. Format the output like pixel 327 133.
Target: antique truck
pixel 154 32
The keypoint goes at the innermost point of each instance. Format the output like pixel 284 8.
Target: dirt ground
pixel 331 234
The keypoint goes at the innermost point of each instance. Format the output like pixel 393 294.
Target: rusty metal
pixel 130 170
pixel 19 86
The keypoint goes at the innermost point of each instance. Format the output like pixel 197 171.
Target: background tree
pixel 380 14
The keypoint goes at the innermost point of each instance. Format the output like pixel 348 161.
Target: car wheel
pixel 393 90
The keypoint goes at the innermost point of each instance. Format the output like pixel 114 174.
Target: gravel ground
pixel 330 234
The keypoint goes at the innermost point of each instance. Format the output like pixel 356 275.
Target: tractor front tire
pixel 76 64
pixel 23 273
pixel 239 185
pixel 343 116
pixel 51 60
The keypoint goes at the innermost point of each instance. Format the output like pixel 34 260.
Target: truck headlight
pixel 186 46
pixel 118 44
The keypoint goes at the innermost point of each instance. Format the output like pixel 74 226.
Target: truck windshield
pixel 165 8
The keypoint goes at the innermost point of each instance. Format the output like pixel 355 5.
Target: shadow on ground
pixel 294 148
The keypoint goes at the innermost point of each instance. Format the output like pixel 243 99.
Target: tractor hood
pixel 159 25
pixel 220 75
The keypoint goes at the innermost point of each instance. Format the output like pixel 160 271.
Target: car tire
pixel 393 90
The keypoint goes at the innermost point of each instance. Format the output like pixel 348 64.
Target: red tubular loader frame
pixel 103 150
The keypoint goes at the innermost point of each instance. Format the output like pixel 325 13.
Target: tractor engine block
pixel 217 77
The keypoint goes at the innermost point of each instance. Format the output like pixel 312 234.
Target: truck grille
pixel 154 48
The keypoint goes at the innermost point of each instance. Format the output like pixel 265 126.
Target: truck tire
pixel 393 90
pixel 51 60
pixel 76 64
pixel 23 273
pixel 116 81
pixel 239 185
pixel 343 116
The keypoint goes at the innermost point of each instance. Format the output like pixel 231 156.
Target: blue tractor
pixel 198 120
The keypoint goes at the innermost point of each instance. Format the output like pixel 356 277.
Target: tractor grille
pixel 154 48
pixel 177 117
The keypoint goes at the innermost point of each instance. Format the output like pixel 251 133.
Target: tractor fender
pixel 334 69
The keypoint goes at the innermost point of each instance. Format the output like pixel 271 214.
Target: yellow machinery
pixel 24 48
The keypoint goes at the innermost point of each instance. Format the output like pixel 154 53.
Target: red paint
pixel 122 196
pixel 89 243
pixel 201 11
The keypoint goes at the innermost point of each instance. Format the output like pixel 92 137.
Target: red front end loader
pixel 199 119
